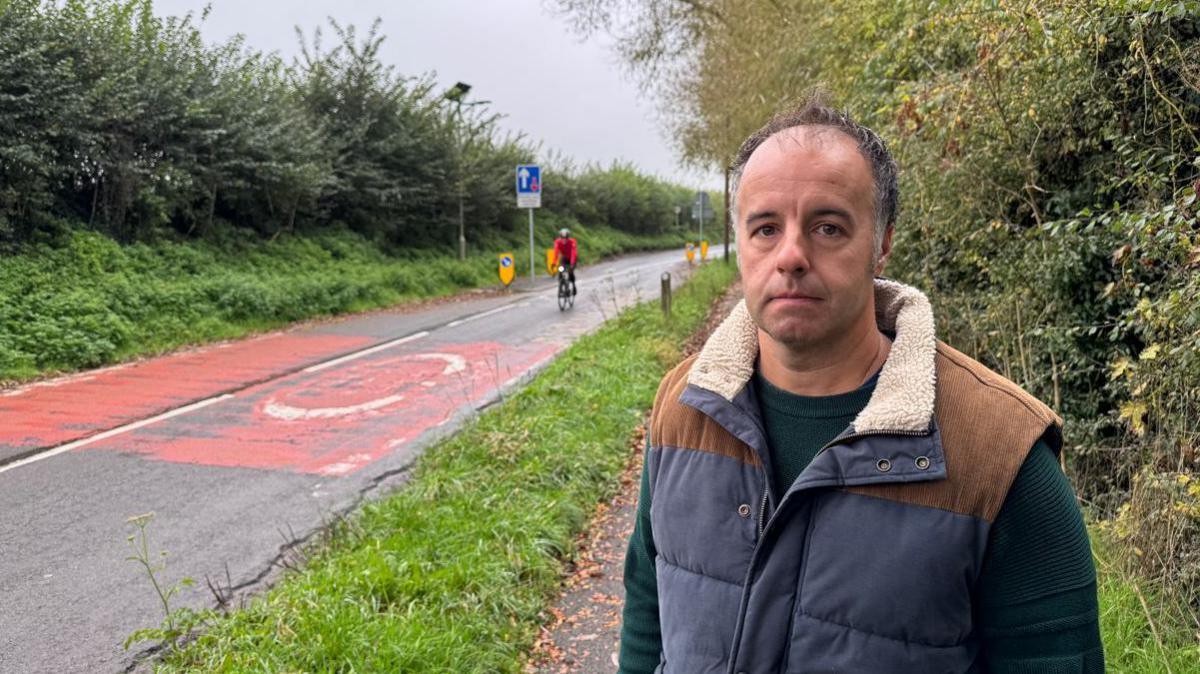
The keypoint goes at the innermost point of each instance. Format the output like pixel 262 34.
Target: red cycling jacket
pixel 566 249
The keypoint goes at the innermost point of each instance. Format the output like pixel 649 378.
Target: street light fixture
pixel 457 92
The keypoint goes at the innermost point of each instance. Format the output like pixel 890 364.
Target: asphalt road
pixel 240 448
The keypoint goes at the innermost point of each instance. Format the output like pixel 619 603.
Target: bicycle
pixel 566 299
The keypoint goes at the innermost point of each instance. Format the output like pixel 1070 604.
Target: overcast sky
pixel 572 96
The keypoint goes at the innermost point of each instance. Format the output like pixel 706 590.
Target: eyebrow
pixel 838 212
pixel 762 215
pixel 772 215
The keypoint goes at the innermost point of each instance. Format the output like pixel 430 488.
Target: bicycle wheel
pixel 564 294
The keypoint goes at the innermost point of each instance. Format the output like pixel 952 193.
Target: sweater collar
pixel 904 395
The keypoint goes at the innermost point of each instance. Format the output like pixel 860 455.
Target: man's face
pixel 806 225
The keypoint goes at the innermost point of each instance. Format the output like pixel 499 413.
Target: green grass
pixel 453 573
pixel 90 301
pixel 1140 634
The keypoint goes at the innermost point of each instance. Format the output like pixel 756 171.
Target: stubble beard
pixel 815 337
pixel 806 338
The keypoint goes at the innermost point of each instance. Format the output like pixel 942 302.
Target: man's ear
pixel 885 250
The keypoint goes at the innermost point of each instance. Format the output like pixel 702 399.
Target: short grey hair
pixel 814 111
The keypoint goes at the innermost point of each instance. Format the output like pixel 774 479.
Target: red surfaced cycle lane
pixel 334 421
pixel 48 414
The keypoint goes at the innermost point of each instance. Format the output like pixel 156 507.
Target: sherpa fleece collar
pixel 903 397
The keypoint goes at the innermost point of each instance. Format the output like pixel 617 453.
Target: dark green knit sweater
pixel 1036 597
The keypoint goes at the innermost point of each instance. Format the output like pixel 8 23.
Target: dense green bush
pixel 117 120
pixel 619 197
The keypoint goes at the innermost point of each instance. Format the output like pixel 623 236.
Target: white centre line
pixel 115 431
pixel 468 319
pixel 366 352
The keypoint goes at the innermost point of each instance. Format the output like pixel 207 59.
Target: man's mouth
pixel 795 297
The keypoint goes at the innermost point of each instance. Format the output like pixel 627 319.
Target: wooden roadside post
pixel 666 294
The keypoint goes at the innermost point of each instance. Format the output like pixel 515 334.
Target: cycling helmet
pixel 564 233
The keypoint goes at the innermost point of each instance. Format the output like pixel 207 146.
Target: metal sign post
pixel 701 208
pixel 726 209
pixel 529 195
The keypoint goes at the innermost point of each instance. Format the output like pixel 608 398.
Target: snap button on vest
pixel 744 510
pixel 922 462
pixel 883 465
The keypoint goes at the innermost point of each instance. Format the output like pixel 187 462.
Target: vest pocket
pixel 704 512
pixel 892 570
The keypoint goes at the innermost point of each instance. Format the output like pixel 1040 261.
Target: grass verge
pixel 1141 634
pixel 89 301
pixel 453 573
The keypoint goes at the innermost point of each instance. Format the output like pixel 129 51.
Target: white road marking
pixel 454 363
pixel 285 412
pixel 289 413
pixel 365 352
pixel 116 431
pixel 485 314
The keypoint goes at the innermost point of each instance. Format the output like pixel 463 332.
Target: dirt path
pixel 583 634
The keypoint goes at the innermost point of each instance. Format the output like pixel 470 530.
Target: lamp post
pixel 456 94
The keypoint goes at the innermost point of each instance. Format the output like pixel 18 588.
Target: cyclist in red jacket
pixel 566 253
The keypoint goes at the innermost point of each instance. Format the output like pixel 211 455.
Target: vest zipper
pixel 741 621
pixel 762 511
pixel 762 525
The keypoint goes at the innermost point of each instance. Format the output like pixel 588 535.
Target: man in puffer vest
pixel 827 487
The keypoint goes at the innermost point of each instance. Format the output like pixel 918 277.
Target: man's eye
pixel 766 230
pixel 829 230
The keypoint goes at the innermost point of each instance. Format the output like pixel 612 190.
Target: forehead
pixel 804 157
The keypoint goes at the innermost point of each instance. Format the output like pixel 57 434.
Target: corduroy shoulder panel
pixel 988 424
pixel 674 424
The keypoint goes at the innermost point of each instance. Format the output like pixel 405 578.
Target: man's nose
pixel 792 254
